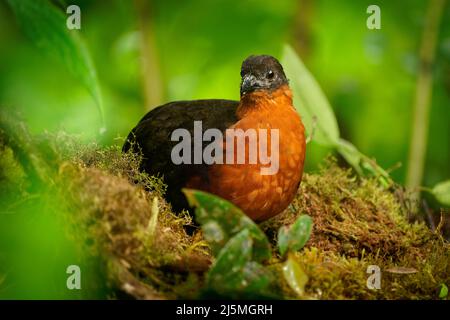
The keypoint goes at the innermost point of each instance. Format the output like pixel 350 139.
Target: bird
pixel 265 105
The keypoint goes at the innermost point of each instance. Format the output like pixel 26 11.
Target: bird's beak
pixel 248 84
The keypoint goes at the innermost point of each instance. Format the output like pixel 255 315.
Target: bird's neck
pixel 265 100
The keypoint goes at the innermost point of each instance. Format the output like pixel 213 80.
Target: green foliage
pixel 358 224
pixel 107 206
pixel 233 238
pixel 361 163
pixel 291 239
pixel 310 100
pixel 443 292
pixel 237 242
pixel 294 237
pixel 294 275
pixel 314 108
pixel 46 26
pixel 234 274
pixel 221 220
pixel 368 81
pixel 442 192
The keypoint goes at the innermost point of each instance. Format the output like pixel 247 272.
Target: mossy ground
pixel 358 223
pixel 108 205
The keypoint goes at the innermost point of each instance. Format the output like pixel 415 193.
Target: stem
pixel 151 75
pixel 429 215
pixel 422 102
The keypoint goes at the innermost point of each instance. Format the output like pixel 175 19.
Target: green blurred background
pixel 194 50
pixel 368 75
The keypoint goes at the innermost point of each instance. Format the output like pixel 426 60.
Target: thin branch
pixel 313 130
pixel 429 215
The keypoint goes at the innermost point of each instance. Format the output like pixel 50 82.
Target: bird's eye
pixel 270 74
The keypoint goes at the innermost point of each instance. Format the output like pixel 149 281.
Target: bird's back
pixel 152 137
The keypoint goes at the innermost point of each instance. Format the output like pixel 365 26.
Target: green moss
pixel 107 201
pixel 358 223
pixel 11 175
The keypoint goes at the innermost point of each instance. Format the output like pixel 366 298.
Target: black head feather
pixel 262 72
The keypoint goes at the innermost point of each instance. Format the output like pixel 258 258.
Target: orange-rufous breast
pixel 262 189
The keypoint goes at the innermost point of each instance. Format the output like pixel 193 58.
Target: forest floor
pixel 107 206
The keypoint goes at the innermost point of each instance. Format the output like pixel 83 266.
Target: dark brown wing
pixel 152 135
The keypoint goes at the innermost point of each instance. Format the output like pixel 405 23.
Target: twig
pixel 313 130
pixel 429 215
pixel 396 166
pixel 125 281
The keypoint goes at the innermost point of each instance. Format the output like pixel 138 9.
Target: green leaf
pixel 441 192
pixel 221 220
pixel 310 100
pixel 283 240
pixel 361 163
pixel 232 258
pixel 256 278
pixel 443 292
pixel 46 26
pixel 234 274
pixel 294 275
pixel 295 236
pixel 350 154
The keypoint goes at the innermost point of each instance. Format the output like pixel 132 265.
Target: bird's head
pixel 262 72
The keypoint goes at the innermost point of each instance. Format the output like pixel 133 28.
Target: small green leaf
pixel 234 274
pixel 310 100
pixel 295 236
pixel 232 258
pixel 294 275
pixel 221 220
pixel 46 26
pixel 443 293
pixel 283 240
pixel 441 191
